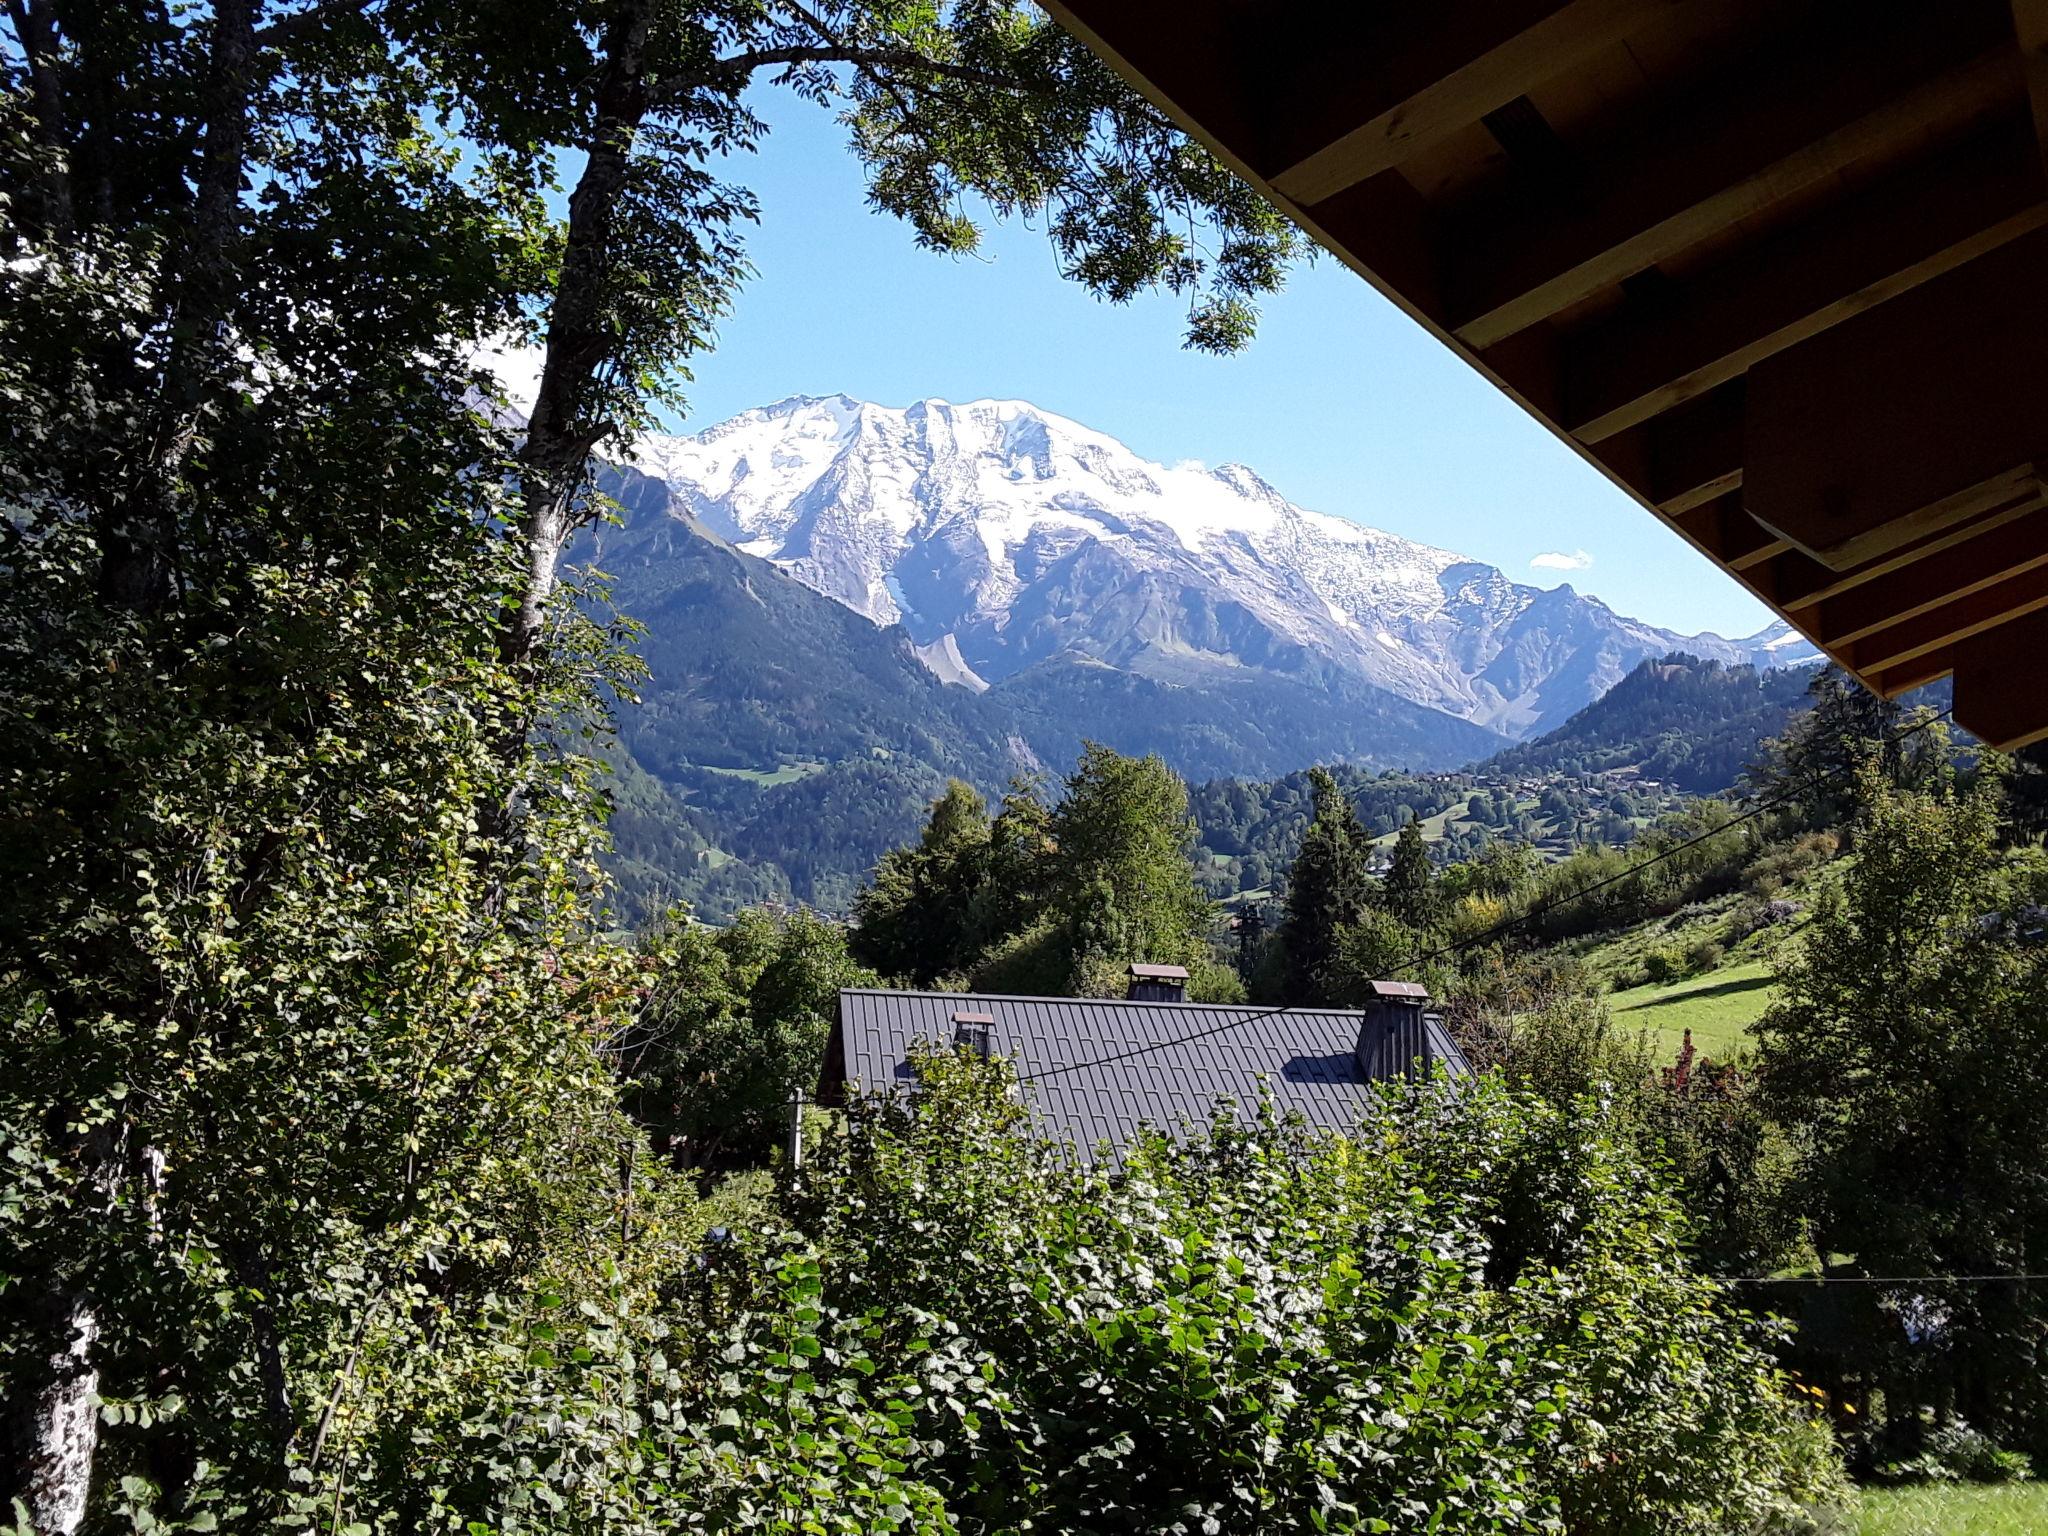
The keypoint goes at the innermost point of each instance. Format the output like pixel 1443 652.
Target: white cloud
pixel 1551 560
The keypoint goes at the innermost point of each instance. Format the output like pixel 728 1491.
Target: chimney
pixel 974 1032
pixel 1393 1031
pixel 1158 984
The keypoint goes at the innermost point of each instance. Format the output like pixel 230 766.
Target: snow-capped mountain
pixel 1001 536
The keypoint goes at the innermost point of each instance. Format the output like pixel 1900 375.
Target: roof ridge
pixel 1275 1010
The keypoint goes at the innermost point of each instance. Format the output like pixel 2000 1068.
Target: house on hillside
pixel 1096 1069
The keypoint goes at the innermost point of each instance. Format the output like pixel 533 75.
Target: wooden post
pixel 795 1146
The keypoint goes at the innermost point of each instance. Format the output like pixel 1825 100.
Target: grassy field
pixel 1718 1008
pixel 768 778
pixel 2008 1509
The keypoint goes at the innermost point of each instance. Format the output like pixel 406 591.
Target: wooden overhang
pixel 1777 268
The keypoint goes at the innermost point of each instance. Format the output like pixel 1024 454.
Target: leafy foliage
pixel 1047 899
pixel 730 1020
pixel 1270 1327
pixel 1906 1051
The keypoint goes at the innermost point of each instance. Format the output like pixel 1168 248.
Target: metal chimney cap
pixel 1408 990
pixel 1146 972
pixel 974 1018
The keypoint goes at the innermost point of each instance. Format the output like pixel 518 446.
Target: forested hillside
pixel 1690 723
pixel 779 742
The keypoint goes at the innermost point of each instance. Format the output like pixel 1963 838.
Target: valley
pixel 845 606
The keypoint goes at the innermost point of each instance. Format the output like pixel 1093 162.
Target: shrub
pixel 1662 966
pixel 1703 955
pixel 1957 1453
pixel 1784 863
pixel 1475 1314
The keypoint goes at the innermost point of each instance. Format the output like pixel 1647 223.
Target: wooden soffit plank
pixel 1931 582
pixel 1948 624
pixel 1907 229
pixel 2030 24
pixel 1924 413
pixel 1419 73
pixel 1998 690
pixel 1791 118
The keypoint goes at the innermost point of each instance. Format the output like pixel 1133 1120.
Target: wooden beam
pixel 1923 585
pixel 1948 623
pixel 1906 230
pixel 1726 534
pixel 1925 413
pixel 1795 113
pixel 1416 74
pixel 2030 25
pixel 1800 581
pixel 1687 457
pixel 1999 696
pixel 1908 675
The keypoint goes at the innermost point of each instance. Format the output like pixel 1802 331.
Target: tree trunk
pixel 140 534
pixel 57 1427
pixel 560 434
pixel 38 39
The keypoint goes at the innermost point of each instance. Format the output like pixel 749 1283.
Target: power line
pixel 1877 1279
pixel 1761 808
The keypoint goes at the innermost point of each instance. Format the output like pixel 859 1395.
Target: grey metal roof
pixel 1303 1056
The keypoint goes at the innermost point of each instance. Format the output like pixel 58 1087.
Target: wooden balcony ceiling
pixel 1778 268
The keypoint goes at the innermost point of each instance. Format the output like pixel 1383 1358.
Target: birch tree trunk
pixel 561 433
pixel 55 1429
pixel 59 1433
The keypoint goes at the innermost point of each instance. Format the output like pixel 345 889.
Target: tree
pixel 1819 758
pixel 300 988
pixel 733 1020
pixel 1123 887
pixel 284 1027
pixel 1409 886
pixel 921 916
pixel 1328 889
pixel 1907 1049
pixel 947 108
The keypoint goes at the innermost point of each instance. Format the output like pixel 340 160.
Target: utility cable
pixel 1761 808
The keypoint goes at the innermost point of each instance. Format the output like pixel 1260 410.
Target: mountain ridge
pixel 1003 535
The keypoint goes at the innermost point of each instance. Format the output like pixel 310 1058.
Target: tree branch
pixel 733 73
pixel 314 17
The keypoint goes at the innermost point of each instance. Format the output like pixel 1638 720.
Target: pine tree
pixel 1328 889
pixel 1251 938
pixel 1410 886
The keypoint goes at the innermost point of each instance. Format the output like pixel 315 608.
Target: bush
pixel 1473 1315
pixel 1956 1453
pixel 1703 955
pixel 1662 967
pixel 1783 864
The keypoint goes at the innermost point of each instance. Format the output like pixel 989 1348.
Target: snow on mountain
pixel 1000 535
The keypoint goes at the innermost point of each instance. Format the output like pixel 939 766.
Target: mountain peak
pixel 1001 534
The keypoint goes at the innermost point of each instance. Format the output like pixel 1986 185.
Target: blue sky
pixel 1342 403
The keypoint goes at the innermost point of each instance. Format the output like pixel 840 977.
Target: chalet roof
pixel 1305 1058
pixel 1777 268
